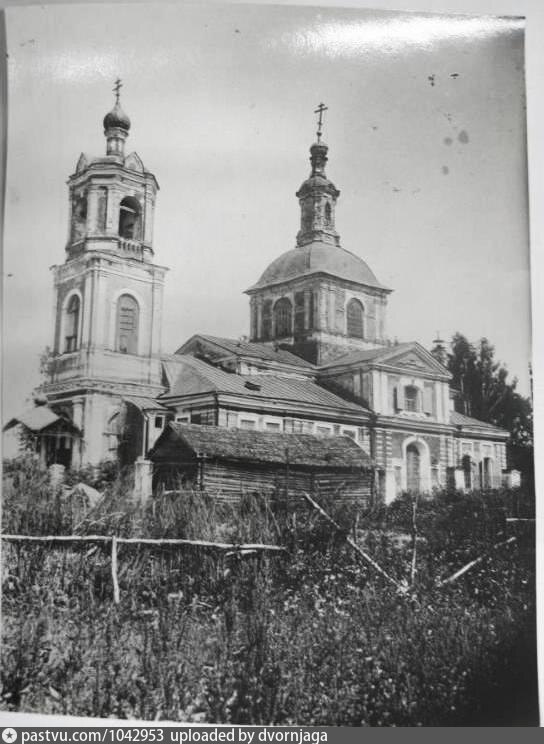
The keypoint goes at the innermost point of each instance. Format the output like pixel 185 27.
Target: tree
pixel 483 391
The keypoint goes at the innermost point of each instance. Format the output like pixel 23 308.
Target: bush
pixel 315 636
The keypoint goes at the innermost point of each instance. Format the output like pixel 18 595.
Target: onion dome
pixel 116 118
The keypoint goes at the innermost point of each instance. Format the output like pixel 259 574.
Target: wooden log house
pixel 228 463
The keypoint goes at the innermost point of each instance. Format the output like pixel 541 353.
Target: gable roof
pixel 39 418
pixel 305 450
pixel 250 349
pixel 399 355
pixel 196 376
pixel 459 419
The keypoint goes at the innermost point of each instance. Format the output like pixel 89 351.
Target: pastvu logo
pixel 9 735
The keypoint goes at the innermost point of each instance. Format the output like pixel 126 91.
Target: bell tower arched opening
pixel 71 327
pixel 129 218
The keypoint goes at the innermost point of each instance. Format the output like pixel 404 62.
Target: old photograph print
pixel 268 431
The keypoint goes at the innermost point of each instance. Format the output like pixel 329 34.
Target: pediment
pixel 82 163
pixel 134 162
pixel 414 359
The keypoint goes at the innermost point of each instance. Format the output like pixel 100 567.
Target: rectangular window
pixel 158 422
pixel 272 426
pixel 324 431
pixel 248 424
pixel 196 418
pixel 351 433
pixel 232 419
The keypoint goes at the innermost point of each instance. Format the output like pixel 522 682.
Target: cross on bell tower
pixel 108 300
pixel 320 110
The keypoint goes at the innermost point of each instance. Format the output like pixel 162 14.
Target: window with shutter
pixel 411 398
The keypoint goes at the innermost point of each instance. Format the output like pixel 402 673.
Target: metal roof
pixel 196 376
pixel 318 258
pixel 459 419
pixel 145 404
pixel 253 349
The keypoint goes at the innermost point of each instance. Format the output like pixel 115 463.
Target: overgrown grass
pixel 314 637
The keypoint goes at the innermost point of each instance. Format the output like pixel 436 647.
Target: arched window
pixel 411 398
pixel 413 468
pixel 328 214
pixel 283 312
pixel 127 325
pixel 79 217
pixel 355 316
pixel 129 218
pixel 71 324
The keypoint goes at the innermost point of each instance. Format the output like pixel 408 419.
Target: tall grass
pixel 314 637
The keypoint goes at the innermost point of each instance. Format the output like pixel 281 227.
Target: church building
pixel 318 362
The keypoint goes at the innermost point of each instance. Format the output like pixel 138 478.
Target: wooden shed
pixel 228 463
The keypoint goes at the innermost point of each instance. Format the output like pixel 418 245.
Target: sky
pixel 426 130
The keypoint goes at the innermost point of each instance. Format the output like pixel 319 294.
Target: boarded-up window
pixel 72 324
pixel 267 320
pixel 355 319
pixel 283 312
pixel 127 325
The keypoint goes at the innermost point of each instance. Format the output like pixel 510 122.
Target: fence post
pixel 114 570
pixel 143 478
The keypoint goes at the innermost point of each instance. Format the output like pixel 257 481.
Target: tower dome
pixel 116 118
pixel 116 126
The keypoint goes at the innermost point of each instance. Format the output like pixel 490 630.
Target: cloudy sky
pixel 426 129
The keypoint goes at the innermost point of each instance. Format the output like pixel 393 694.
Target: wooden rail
pixel 233 548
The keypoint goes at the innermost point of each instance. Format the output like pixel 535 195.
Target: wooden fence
pixel 228 548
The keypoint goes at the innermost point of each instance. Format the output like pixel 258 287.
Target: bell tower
pixel 105 364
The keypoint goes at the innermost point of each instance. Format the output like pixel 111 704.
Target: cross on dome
pixel 117 89
pixel 320 110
